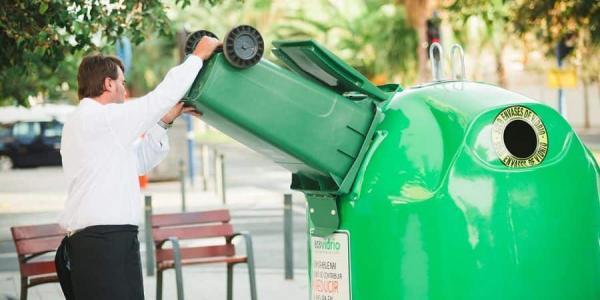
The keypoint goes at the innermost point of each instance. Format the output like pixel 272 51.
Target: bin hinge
pixel 323 214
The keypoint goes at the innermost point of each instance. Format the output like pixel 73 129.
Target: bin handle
pixel 462 62
pixel 437 66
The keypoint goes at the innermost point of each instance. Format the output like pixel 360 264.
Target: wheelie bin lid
pixel 312 60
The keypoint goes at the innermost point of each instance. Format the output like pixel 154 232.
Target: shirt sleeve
pixel 151 149
pixel 130 119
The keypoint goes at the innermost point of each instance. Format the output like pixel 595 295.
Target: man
pixel 102 156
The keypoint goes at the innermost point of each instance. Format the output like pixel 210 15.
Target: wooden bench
pixel 198 225
pixel 32 242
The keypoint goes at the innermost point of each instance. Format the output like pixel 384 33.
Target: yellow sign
pixel 519 137
pixel 562 78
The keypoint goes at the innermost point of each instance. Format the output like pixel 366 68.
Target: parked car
pixel 30 144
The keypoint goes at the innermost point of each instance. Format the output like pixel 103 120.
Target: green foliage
pixel 372 36
pixel 551 19
pixel 59 82
pixel 220 19
pixel 37 37
pixel 490 19
pixel 152 59
pixel 229 13
pixel 494 14
pixel 543 22
pixel 43 40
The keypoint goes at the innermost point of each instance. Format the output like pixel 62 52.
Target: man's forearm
pixel 152 149
pixel 176 83
pixel 130 119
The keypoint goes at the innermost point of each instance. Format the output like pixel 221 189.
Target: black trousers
pixel 101 262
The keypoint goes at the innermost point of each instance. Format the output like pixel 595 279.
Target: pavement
pixel 591 137
pixel 200 282
pixel 254 195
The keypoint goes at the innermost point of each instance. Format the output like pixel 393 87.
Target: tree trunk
pixel 586 106
pixel 422 50
pixel 500 69
pixel 417 13
pixel 475 70
pixel 525 58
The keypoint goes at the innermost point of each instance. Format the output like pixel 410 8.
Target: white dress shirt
pixel 102 152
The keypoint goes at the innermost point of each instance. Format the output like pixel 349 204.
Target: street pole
pixel 205 166
pixel 190 143
pixel 563 48
pixel 223 190
pixel 220 176
pixel 148 238
pixel 288 241
pixel 182 184
pixel 586 104
pixel 562 104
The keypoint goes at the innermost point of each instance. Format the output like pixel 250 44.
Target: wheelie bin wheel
pixel 243 46
pixel 194 38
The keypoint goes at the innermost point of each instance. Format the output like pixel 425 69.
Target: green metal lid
pixel 311 60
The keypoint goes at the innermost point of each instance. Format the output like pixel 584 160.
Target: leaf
pixel 32 46
pixel 43 8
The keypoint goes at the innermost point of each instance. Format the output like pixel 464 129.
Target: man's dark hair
pixel 92 72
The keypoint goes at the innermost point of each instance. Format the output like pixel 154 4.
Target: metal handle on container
pixel 462 62
pixel 436 65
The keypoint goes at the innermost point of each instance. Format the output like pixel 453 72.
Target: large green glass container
pixel 435 214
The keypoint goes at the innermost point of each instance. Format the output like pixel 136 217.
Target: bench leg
pixel 230 281
pixel 249 262
pixel 179 281
pixel 23 288
pixel 159 283
pixel 252 276
pixel 178 274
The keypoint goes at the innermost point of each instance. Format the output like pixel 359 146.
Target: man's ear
pixel 107 84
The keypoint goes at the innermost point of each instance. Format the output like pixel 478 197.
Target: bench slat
pixel 192 232
pixel 196 252
pixel 178 219
pixel 33 246
pixel 38 268
pixel 230 260
pixel 43 279
pixel 36 231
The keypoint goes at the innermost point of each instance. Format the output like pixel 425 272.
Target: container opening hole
pixel 520 139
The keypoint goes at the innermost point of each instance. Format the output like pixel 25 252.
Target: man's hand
pixel 177 110
pixel 206 46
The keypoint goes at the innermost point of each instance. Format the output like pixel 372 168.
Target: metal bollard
pixel 223 187
pixel 288 239
pixel 148 232
pixel 220 176
pixel 205 166
pixel 189 123
pixel 182 181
